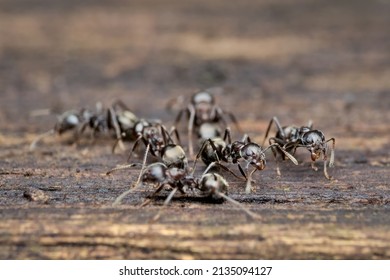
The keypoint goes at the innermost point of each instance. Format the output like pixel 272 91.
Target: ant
pixel 159 145
pixel 176 179
pixel 219 149
pixel 292 137
pixel 202 109
pixel 117 117
pixel 68 121
pixel 159 142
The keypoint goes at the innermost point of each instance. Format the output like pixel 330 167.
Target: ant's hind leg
pixel 249 188
pixel 326 171
pixel 313 166
pixel 166 202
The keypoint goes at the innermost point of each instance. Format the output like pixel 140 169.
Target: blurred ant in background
pixel 117 118
pixel 203 109
pixel 293 137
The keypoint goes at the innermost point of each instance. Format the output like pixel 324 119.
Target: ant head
pixel 202 97
pixel 254 154
pixel 315 143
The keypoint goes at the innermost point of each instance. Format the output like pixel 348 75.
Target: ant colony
pixel 207 130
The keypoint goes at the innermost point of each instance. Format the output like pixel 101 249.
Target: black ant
pixel 160 145
pixel 219 149
pixel 117 118
pixel 176 179
pixel 203 109
pixel 159 142
pixel 72 120
pixel 292 137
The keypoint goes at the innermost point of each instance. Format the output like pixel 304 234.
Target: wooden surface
pixel 325 61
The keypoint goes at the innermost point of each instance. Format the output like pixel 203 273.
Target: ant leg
pixel 173 102
pixel 191 122
pixel 137 183
pixel 33 145
pixel 121 105
pixel 118 134
pixel 242 171
pixel 146 202
pixel 201 150
pixel 227 136
pixel 219 113
pixel 310 124
pixel 234 121
pixel 127 166
pixel 199 154
pixel 134 147
pixel 235 202
pixel 314 167
pixel 275 156
pixel 246 139
pixel 170 196
pixel 331 161
pixel 166 202
pixel 165 135
pixel 143 163
pixel 248 188
pixel 115 145
pixel 326 171
pixel 174 131
pixel 279 127
pixel 282 149
pixel 217 163
pixel 120 197
pixel 178 117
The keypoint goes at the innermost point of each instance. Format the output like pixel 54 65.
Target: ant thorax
pixel 232 152
pixel 291 134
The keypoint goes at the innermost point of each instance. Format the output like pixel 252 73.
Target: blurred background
pixel 325 60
